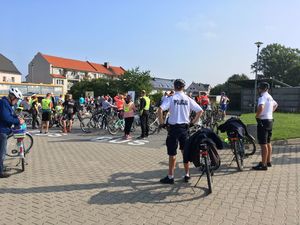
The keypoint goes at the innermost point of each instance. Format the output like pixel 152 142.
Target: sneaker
pixel 260 166
pixel 269 164
pixel 4 175
pixel 128 137
pixel 167 180
pixel 141 137
pixel 186 179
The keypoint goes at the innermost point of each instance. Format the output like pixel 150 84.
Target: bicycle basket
pixel 19 133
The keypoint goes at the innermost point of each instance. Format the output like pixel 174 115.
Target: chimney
pixel 106 65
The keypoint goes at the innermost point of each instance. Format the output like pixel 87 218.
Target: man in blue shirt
pixel 7 119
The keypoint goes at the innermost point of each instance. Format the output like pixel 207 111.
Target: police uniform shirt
pixel 267 100
pixel 180 106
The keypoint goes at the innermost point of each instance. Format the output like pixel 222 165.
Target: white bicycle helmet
pixel 16 93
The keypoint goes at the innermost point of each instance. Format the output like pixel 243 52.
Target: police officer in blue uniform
pixel 180 107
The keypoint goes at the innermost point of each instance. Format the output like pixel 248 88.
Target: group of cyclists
pixel 178 105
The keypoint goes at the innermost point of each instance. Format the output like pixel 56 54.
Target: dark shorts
pixel 204 107
pixel 264 131
pixel 46 116
pixel 176 134
pixel 68 116
pixel 223 107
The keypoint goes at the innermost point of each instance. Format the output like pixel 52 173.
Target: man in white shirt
pixel 179 106
pixel 264 116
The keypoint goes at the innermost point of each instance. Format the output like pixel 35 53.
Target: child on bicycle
pixel 7 119
pixel 58 111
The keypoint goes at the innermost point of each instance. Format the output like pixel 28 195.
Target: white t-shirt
pixel 180 106
pixel 267 100
pixel 163 98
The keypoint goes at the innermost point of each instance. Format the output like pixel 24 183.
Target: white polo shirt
pixel 180 106
pixel 267 100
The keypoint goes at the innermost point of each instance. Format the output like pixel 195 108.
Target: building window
pixel 4 79
pixel 13 79
pixel 60 82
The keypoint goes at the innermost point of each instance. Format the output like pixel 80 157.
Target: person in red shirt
pixel 203 100
pixel 119 102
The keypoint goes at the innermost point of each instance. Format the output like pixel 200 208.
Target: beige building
pixel 8 71
pixel 62 71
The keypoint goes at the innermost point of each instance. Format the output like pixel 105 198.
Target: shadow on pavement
pixel 141 187
pixel 127 188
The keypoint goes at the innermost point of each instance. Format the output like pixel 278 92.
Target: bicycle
pixel 56 119
pixel 99 120
pixel 242 147
pixel 205 166
pixel 116 125
pixel 201 150
pixel 21 147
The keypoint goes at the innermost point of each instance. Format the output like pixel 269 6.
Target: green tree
pixel 156 98
pixel 293 76
pixel 132 80
pixel 227 86
pixel 135 80
pixel 276 61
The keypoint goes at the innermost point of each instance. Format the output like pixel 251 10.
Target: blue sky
pixel 202 41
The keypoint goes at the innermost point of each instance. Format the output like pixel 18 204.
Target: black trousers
pixel 128 124
pixel 34 120
pixel 145 123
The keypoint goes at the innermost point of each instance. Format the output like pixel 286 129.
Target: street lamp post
pixel 258 44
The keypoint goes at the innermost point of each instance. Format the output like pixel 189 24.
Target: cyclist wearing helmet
pixel 179 106
pixel 264 116
pixel 7 119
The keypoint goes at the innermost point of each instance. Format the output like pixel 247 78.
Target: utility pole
pixel 258 44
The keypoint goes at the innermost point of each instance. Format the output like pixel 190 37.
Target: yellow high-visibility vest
pixel 147 106
pixel 46 104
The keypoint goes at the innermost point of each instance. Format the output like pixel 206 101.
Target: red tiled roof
pixel 83 65
pixel 100 68
pixel 117 70
pixel 68 63
pixel 58 76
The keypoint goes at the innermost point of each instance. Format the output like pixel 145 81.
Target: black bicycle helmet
pixel 179 83
pixel 264 86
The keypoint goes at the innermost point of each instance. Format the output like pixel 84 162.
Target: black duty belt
pixel 181 125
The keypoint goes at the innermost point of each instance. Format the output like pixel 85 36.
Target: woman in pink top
pixel 129 109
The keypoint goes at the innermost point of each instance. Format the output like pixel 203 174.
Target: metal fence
pixel 287 98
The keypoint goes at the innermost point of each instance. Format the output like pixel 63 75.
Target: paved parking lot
pixel 77 179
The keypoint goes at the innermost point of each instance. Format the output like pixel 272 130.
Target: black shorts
pixel 177 133
pixel 68 116
pixel 46 116
pixel 264 131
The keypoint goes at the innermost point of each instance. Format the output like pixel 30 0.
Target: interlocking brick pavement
pixel 69 182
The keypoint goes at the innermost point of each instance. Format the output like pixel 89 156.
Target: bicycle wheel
pixel 13 149
pixel 153 127
pixel 249 145
pixel 208 174
pixel 238 154
pixel 86 125
pixel 113 127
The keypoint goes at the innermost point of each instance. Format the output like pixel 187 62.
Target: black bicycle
pixel 242 147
